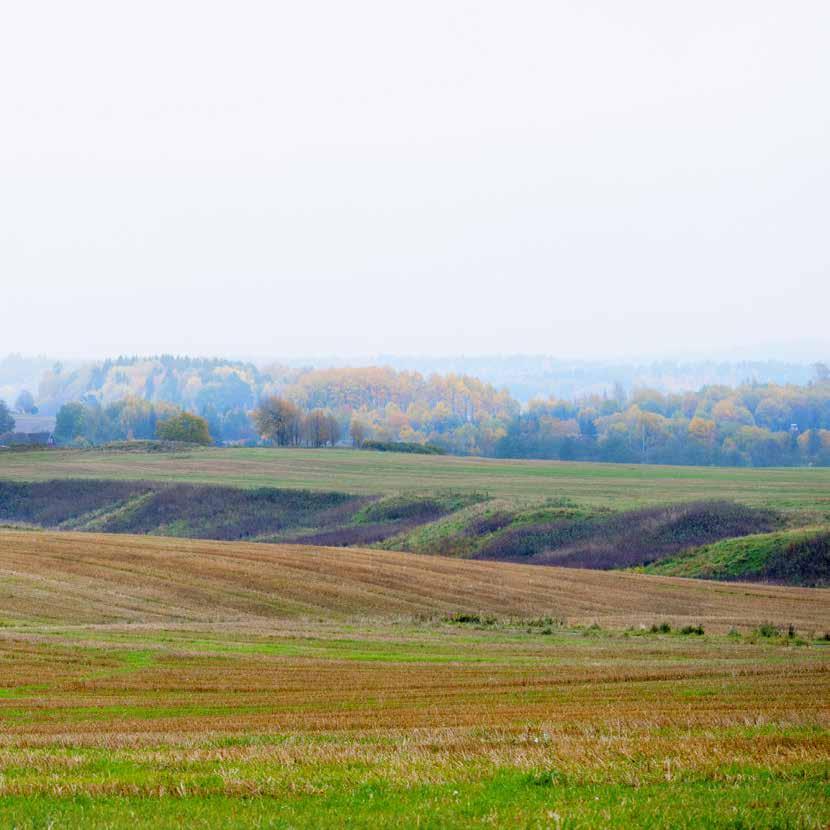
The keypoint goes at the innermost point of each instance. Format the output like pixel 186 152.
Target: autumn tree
pixel 702 430
pixel 358 431
pixel 315 428
pixel 278 420
pixel 334 431
pixel 320 428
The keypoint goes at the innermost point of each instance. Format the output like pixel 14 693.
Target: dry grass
pixel 95 578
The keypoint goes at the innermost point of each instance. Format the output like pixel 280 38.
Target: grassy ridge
pixel 212 512
pixel 801 556
pixel 626 538
pixel 544 512
pixel 152 682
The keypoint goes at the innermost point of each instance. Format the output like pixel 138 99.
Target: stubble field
pixel 172 683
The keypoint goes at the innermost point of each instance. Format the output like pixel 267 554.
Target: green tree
pixel 26 403
pixel 6 420
pixel 184 427
pixel 70 422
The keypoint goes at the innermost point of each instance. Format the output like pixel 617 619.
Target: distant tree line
pixel 87 423
pixel 751 425
pixel 457 413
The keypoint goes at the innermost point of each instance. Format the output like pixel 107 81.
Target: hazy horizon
pixel 588 181
pixel 801 354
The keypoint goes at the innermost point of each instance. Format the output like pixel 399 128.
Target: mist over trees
pixel 25 403
pixel 760 424
pixel 752 425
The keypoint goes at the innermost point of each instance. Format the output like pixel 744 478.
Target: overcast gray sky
pixel 585 178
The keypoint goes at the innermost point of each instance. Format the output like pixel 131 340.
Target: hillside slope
pixel 796 557
pixel 548 532
pixel 100 578
pixel 633 537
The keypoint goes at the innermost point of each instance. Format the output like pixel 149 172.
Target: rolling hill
pixel 799 556
pixel 550 513
pixel 100 578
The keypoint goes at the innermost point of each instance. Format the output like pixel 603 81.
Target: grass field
pixel 600 485
pixel 181 683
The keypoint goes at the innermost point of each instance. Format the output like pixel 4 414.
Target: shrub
pixel 692 629
pixel 184 427
pixel 465 617
pixel 402 446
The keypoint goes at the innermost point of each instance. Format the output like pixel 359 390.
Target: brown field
pixel 168 683
pixel 95 578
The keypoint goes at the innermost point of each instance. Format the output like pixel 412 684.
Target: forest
pixel 751 424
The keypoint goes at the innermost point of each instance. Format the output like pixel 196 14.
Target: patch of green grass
pixel 618 486
pixel 415 507
pixel 800 556
pixel 174 727
pixel 467 531
pixel 749 798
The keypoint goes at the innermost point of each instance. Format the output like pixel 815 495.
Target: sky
pixel 587 179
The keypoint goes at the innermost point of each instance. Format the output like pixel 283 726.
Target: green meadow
pixel 372 473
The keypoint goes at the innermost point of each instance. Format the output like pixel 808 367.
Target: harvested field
pixel 94 578
pixel 152 682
